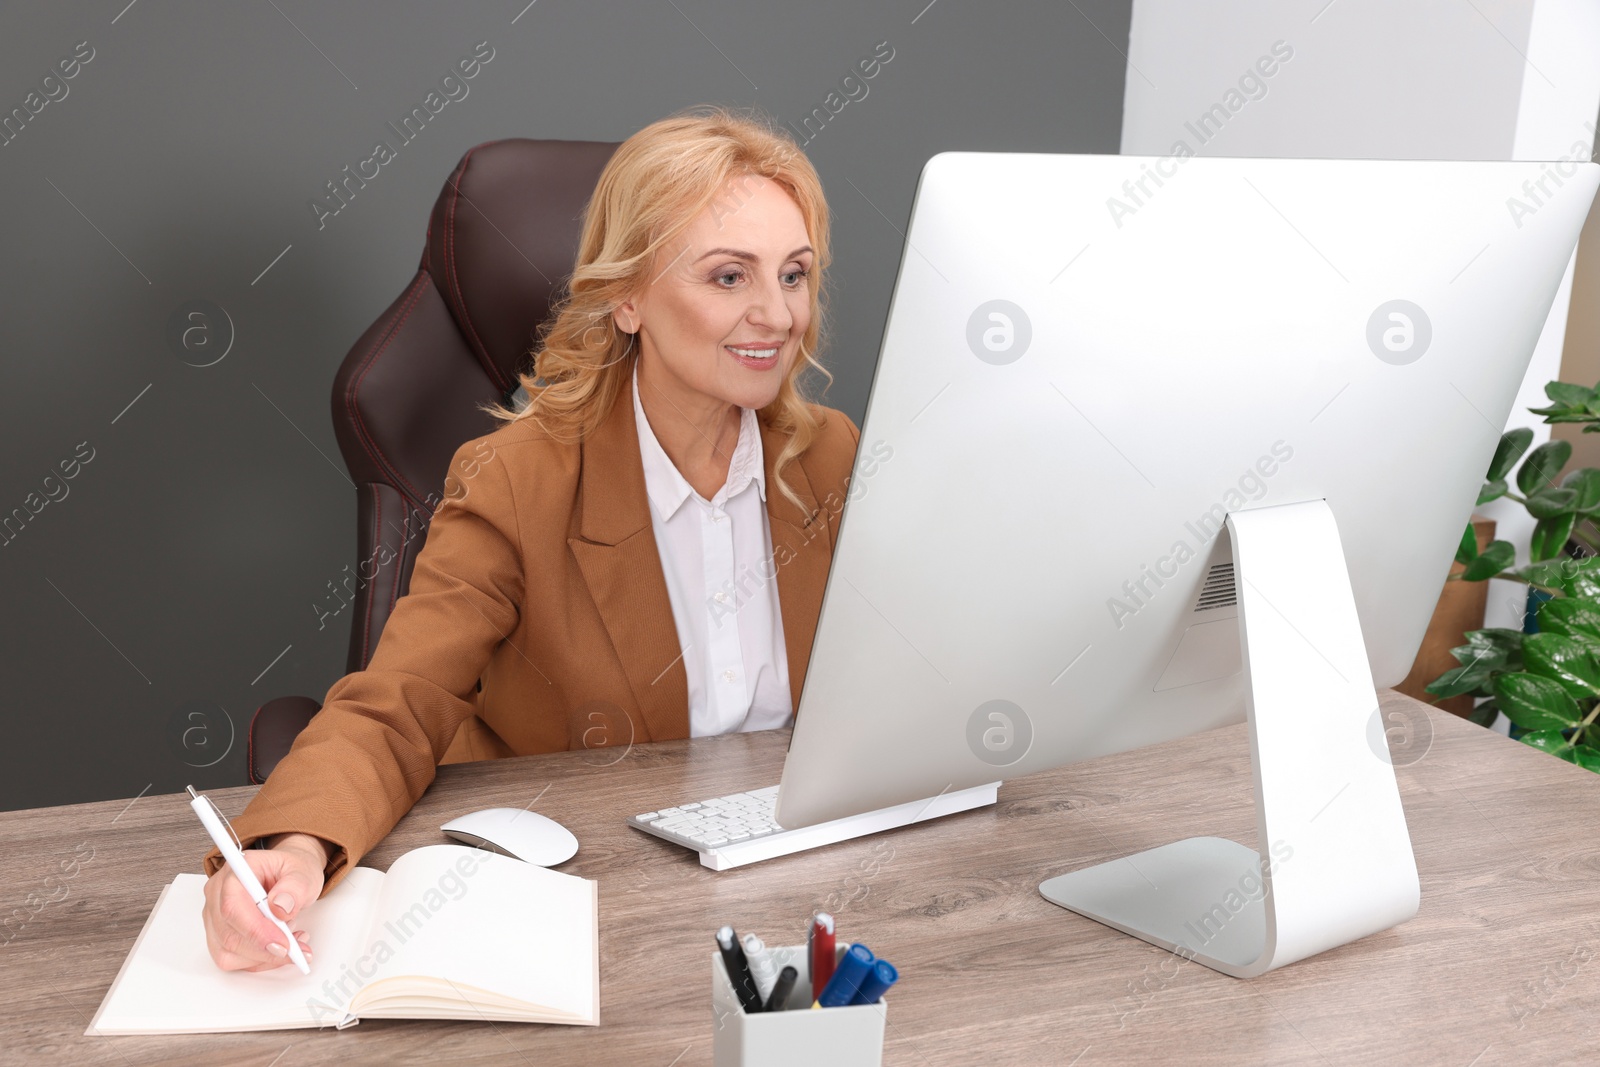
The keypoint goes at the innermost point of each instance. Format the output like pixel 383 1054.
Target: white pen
pixel 762 969
pixel 222 835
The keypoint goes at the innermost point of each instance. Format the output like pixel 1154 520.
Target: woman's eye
pixel 799 277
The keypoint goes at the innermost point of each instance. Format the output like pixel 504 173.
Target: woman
pixel 637 555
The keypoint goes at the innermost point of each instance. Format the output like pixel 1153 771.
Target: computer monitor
pixel 1159 444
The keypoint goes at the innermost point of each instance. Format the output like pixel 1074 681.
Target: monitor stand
pixel 1335 861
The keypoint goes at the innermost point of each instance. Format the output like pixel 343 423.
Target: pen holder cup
pixel 851 1036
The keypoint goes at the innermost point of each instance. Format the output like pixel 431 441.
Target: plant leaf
pixel 1569 395
pixel 1490 562
pixel 1550 573
pixel 1496 489
pixel 1485 712
pixel 1574 577
pixel 1498 647
pixel 1549 741
pixel 1573 617
pixel 1535 703
pixel 1469 678
pixel 1543 464
pixel 1500 638
pixel 1564 660
pixel 1586 757
pixel 1549 538
pixel 1513 443
pixel 1568 412
pixel 1468 549
pixel 1549 501
pixel 1585 481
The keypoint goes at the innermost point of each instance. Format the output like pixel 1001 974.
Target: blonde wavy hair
pixel 650 191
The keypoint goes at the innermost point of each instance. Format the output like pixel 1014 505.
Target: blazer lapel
pixel 620 563
pixel 802 550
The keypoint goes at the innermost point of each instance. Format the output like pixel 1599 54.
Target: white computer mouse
pixel 515 832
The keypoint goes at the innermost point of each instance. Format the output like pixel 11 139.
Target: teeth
pixel 755 353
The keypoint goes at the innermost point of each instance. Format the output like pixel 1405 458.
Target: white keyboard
pixel 737 829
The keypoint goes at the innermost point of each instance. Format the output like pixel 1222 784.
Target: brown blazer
pixel 539 578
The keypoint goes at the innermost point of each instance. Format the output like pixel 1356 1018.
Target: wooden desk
pixel 1507 841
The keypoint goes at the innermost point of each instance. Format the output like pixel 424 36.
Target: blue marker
pixel 847 977
pixel 880 976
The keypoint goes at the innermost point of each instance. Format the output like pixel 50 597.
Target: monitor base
pixel 1168 896
pixel 1335 861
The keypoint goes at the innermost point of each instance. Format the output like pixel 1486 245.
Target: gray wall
pixel 149 606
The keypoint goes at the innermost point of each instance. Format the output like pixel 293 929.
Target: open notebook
pixel 449 932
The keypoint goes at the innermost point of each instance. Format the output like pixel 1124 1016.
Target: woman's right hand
pixel 238 936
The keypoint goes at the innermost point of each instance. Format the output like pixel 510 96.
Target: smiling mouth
pixel 762 352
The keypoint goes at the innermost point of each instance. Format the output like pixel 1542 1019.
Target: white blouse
pixel 722 582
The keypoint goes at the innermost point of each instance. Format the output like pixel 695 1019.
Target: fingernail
pixel 284 902
pixel 277 949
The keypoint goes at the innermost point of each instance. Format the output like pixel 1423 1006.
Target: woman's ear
pixel 626 316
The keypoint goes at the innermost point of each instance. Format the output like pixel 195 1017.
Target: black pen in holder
pixel 738 969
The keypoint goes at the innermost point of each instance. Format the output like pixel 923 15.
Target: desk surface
pixel 1501 966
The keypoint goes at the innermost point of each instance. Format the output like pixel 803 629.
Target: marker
pixel 821 952
pixel 847 977
pixel 744 986
pixel 782 988
pixel 880 976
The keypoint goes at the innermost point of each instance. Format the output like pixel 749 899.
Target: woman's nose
pixel 770 307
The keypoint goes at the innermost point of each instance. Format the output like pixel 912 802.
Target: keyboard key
pixel 648 816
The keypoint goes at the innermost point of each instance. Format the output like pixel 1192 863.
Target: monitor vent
pixel 1218 590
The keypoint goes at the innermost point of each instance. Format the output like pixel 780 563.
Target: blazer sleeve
pixel 368 754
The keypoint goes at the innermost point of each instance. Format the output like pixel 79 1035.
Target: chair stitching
pixel 454 276
pixel 377 532
pixel 250 751
pixel 400 559
pixel 365 435
pixel 369 441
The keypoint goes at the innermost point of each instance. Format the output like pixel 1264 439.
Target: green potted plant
pixel 1547 681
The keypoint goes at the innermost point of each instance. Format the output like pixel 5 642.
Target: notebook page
pixel 486 921
pixel 169 983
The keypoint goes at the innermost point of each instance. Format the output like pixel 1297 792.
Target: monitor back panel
pixel 1089 361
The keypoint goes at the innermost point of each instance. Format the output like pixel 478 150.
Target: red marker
pixel 822 952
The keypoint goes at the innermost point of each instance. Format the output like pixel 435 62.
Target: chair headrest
pixel 501 239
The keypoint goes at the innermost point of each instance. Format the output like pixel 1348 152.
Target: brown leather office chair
pixel 500 246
